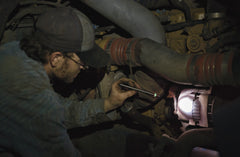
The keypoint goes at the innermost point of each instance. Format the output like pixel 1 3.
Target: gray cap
pixel 68 30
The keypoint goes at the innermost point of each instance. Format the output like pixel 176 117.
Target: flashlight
pixel 140 90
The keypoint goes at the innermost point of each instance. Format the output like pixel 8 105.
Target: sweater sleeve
pixel 84 113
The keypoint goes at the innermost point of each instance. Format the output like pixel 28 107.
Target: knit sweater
pixel 33 118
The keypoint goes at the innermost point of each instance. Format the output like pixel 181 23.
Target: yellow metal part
pixel 195 43
pixel 177 41
pixel 149 113
pixel 102 42
pixel 176 16
pixel 197 13
pixel 189 40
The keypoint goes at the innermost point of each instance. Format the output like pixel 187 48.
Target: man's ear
pixel 55 58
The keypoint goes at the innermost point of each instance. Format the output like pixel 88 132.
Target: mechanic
pixel 34 118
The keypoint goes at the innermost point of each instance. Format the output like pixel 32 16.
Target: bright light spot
pixel 155 95
pixel 185 105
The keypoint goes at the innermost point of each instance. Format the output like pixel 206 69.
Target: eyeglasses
pixel 80 64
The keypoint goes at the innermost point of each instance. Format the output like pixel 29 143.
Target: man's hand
pixel 119 95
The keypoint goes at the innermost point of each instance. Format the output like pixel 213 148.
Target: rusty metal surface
pixel 122 50
pixel 211 68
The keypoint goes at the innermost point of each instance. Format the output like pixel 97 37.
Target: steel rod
pixel 139 90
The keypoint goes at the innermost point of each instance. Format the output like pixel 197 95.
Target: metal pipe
pixel 131 16
pixel 202 69
pixel 199 70
pixel 154 4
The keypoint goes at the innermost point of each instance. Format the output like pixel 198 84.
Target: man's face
pixel 68 68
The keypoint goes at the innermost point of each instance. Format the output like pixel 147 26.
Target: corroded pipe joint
pixel 123 51
pixel 212 69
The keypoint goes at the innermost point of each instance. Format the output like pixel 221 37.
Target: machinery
pixel 188 47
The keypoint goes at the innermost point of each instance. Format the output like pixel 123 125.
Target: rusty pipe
pixel 122 51
pixel 213 69
pixel 199 70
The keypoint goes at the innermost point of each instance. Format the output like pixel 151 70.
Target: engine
pixel 187 48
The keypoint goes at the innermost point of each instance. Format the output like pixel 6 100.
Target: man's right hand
pixel 118 95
